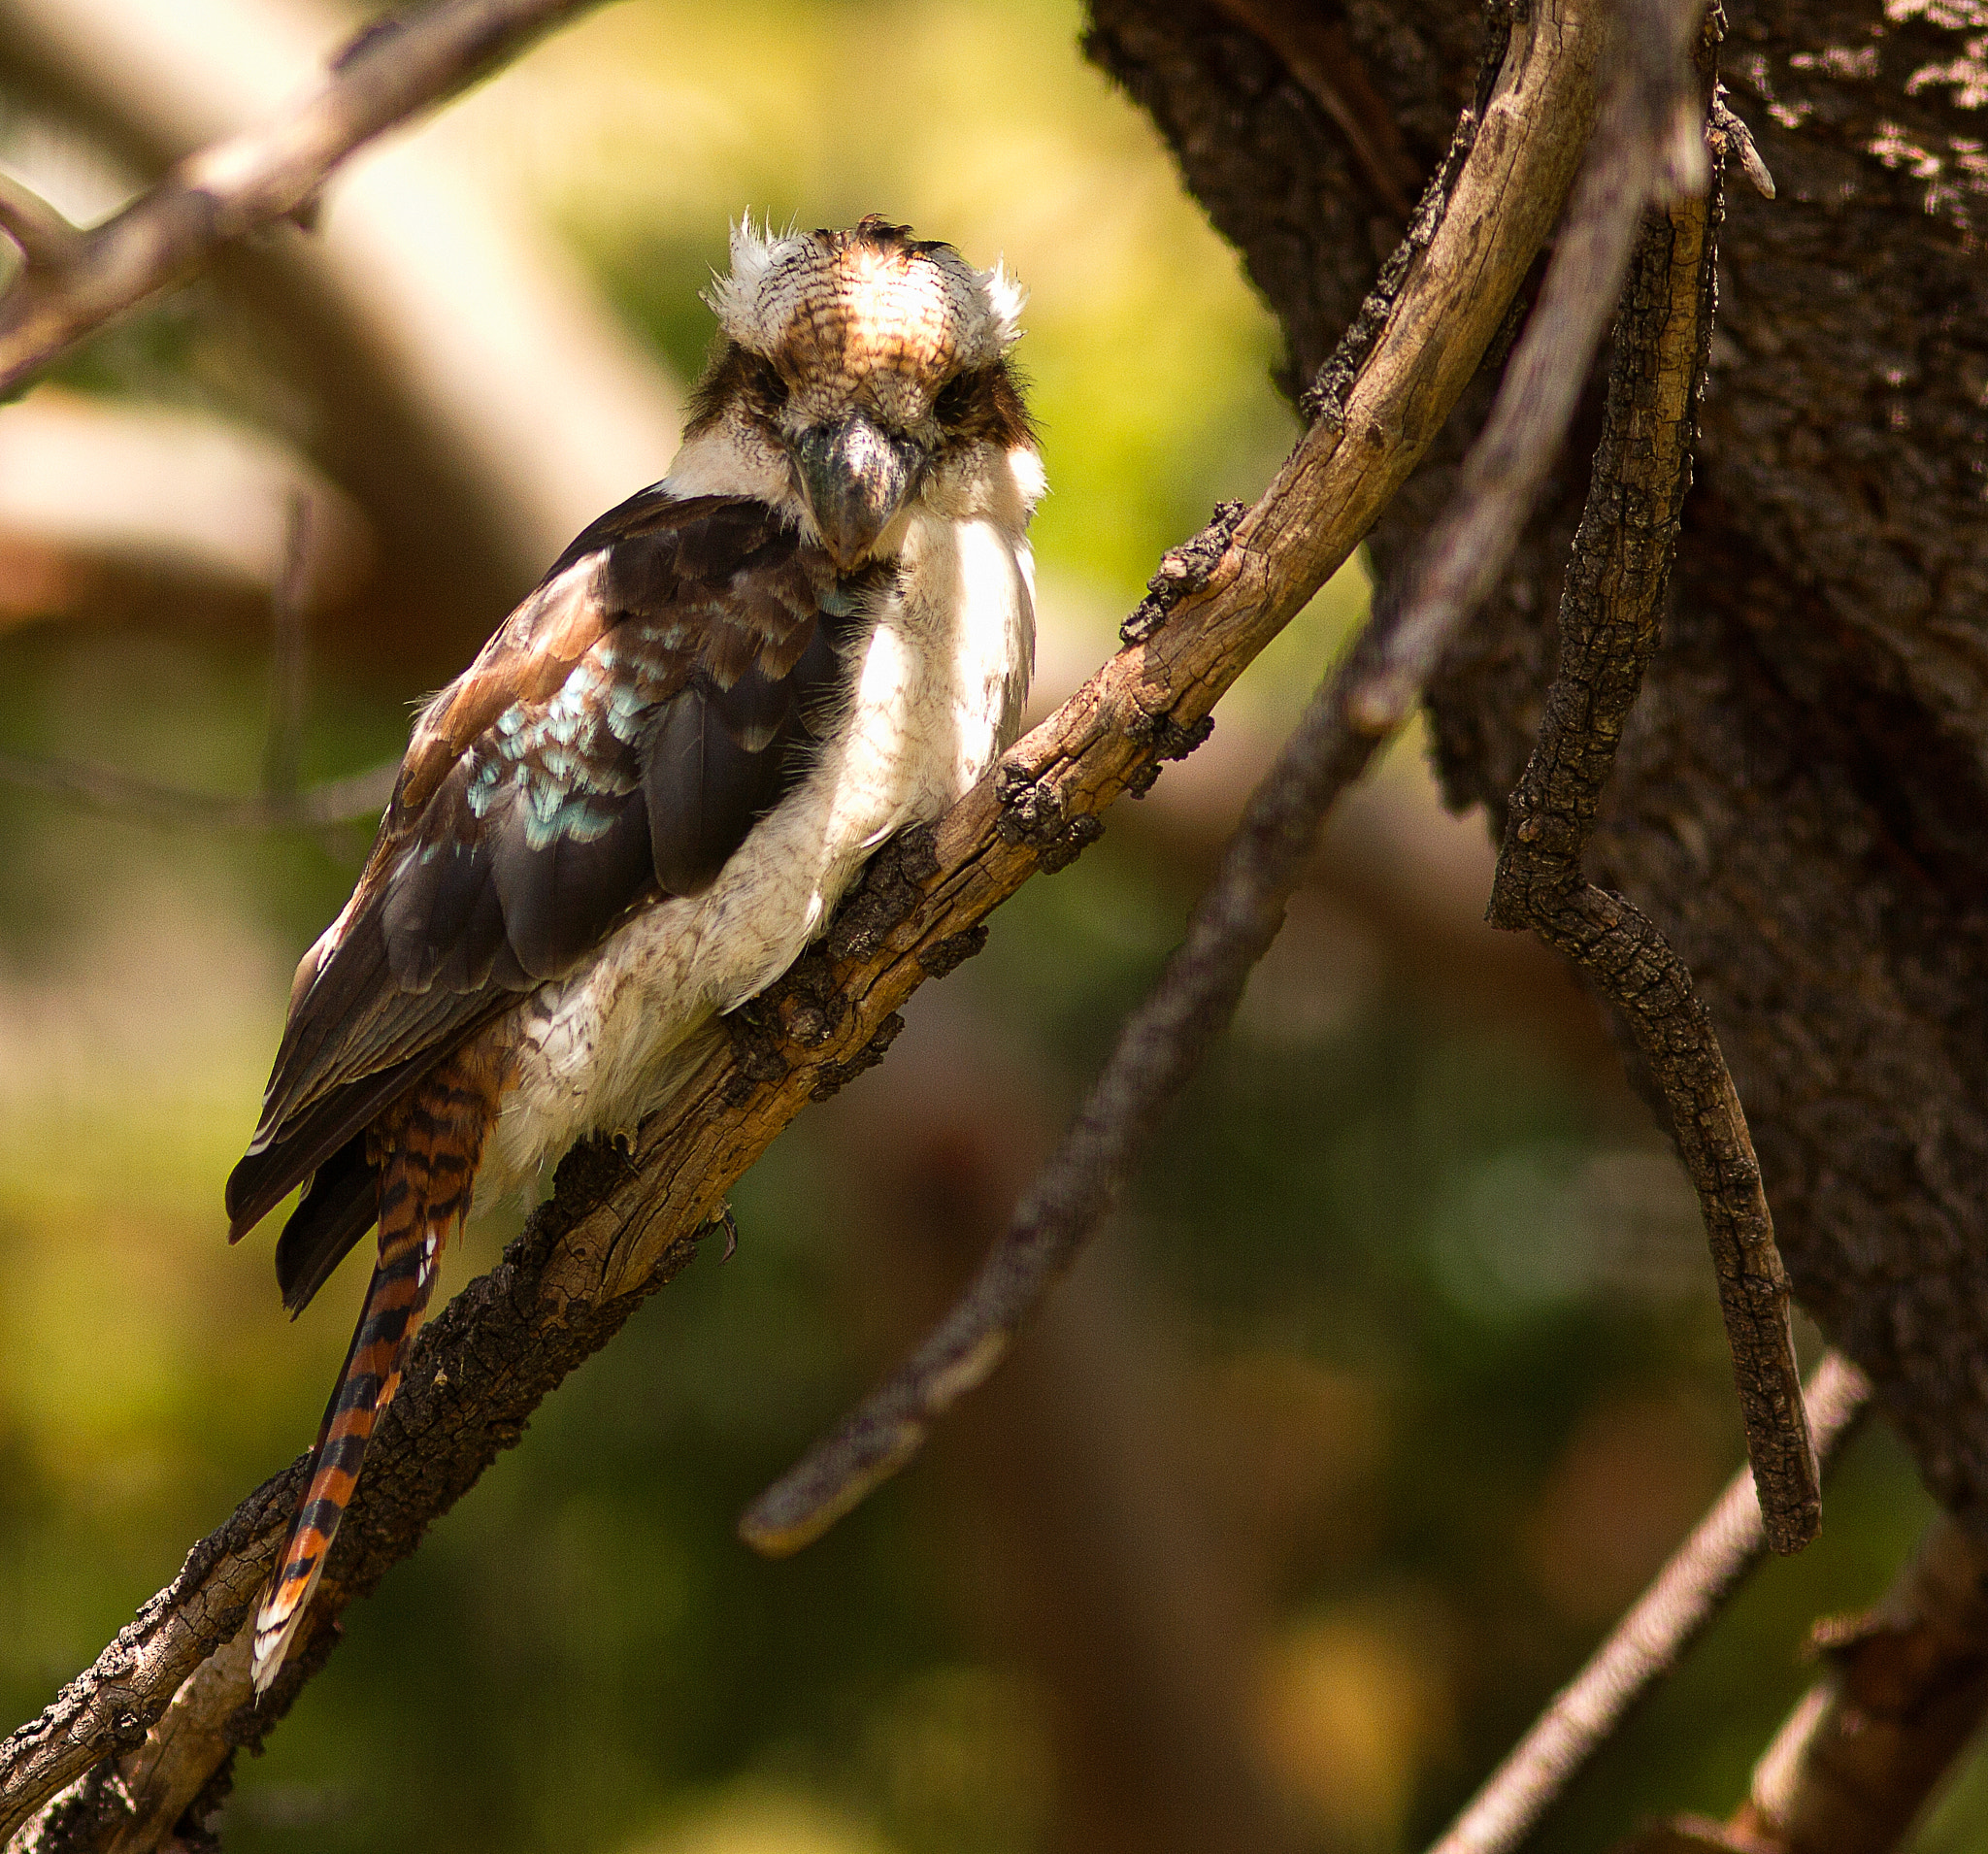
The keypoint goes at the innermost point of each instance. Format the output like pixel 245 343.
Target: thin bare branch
pixel 1635 153
pixel 1855 1764
pixel 1648 1643
pixel 394 68
pixel 359 799
pixel 1609 617
pixel 1164 1039
pixel 614 1230
pixel 1905 1695
pixel 1733 141
pixel 45 239
pixel 1160 1046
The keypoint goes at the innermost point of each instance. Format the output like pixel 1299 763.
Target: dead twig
pixel 1608 624
pixel 613 1232
pixel 1733 141
pixel 1648 1643
pixel 393 68
pixel 1166 1038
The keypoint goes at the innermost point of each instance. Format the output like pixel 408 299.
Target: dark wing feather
pixel 617 739
pixel 704 779
pixel 338 1206
pixel 270 1171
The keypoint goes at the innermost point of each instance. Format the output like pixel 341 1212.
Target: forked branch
pixel 73 281
pixel 613 1232
pixel 1365 701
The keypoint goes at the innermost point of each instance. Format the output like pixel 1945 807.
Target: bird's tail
pixel 429 1146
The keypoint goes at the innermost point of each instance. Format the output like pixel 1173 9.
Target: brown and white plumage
pixel 647 794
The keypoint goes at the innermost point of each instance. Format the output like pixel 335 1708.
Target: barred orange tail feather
pixel 427 1149
pixel 394 1305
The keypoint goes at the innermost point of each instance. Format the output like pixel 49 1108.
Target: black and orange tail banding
pixel 426 1148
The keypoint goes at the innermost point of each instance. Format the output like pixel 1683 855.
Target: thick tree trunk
pixel 1800 798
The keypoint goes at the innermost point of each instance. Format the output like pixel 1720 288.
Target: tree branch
pixel 1854 1766
pixel 1164 1039
pixel 44 238
pixel 1648 1643
pixel 1167 1037
pixel 614 1230
pixel 394 68
pixel 1608 624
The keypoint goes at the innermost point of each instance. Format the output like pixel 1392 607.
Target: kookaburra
pixel 645 797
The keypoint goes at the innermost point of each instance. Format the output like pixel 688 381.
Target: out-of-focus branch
pixel 117 507
pixel 1864 1750
pixel 1371 694
pixel 1648 1643
pixel 616 1231
pixel 44 238
pixel 289 663
pixel 390 71
pixel 465 385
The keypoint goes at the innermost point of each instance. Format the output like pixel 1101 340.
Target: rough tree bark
pixel 1798 799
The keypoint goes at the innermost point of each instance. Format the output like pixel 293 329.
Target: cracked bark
pixel 603 1245
pixel 1798 798
pixel 1609 612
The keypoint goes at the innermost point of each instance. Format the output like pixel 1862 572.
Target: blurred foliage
pixel 1432 1289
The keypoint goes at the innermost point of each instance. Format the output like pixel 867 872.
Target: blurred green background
pixel 1396 1378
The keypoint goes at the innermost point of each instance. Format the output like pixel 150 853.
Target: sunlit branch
pixel 1166 1038
pixel 617 1229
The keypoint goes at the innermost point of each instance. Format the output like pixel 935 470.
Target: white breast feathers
pixel 934 698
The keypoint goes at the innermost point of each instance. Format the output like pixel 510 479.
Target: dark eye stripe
pixel 768 384
pixel 954 397
pixel 981 407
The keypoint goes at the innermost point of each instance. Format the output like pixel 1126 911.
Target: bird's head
pixel 859 373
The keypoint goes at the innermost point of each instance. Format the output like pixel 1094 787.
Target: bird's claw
pixel 722 1219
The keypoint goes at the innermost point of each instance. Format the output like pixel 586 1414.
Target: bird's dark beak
pixel 856 477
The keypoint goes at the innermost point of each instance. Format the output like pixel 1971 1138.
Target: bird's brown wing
pixel 614 742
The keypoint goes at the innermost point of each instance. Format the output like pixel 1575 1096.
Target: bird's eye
pixel 954 397
pixel 768 384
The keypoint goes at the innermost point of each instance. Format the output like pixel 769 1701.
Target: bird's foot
pixel 721 1219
